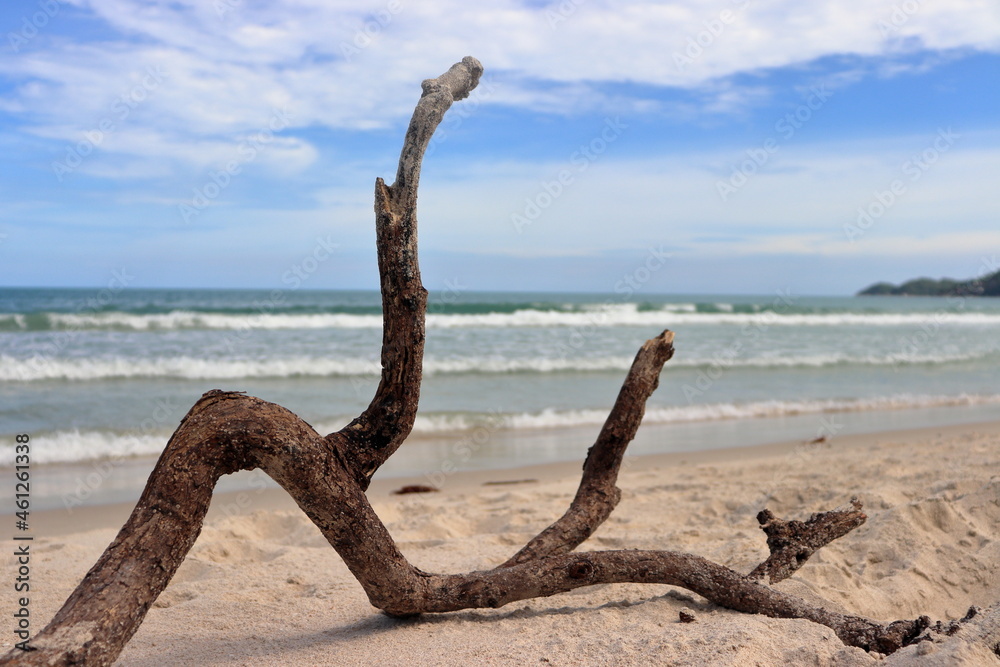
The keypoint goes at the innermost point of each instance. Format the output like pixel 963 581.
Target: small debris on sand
pixel 416 488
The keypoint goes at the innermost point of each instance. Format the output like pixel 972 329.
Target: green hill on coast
pixel 985 286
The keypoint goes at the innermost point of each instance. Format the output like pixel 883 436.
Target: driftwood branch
pixel 978 635
pixel 597 495
pixel 327 477
pixel 793 542
pixel 368 441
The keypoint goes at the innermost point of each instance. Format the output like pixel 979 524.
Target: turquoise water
pixel 94 374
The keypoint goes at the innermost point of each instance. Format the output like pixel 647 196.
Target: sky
pixel 731 146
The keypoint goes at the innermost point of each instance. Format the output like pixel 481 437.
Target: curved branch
pixel 454 85
pixel 597 495
pixel 223 432
pixel 379 431
pixel 554 574
pixel 227 431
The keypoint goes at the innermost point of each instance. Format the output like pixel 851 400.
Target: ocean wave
pixel 188 368
pixel 42 368
pixel 551 418
pixel 76 446
pixel 585 316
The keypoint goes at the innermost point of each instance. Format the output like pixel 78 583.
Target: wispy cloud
pixel 227 65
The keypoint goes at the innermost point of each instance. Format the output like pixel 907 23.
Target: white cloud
pixel 225 71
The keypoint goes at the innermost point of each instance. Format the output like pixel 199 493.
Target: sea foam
pixel 596 315
pixel 72 446
pixel 42 367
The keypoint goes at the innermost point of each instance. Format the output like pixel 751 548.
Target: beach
pixel 262 587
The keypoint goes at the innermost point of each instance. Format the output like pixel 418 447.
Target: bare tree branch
pixel 793 542
pixel 379 431
pixel 972 640
pixel 597 495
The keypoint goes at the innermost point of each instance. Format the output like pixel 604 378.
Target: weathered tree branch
pixel 597 495
pixel 368 441
pixel 976 641
pixel 793 542
pixel 219 435
pixel 564 572
pixel 327 477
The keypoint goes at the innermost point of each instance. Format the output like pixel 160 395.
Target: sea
pixel 99 378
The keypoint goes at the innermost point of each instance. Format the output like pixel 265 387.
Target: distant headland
pixel 984 286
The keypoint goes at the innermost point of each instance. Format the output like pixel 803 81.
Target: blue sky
pixel 747 146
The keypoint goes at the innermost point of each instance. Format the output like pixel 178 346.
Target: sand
pixel 262 587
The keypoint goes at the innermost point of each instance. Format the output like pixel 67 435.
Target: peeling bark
pixel 327 476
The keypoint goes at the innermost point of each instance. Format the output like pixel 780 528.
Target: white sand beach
pixel 262 587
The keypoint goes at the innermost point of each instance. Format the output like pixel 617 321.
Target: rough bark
pixel 379 431
pixel 327 477
pixel 973 640
pixel 793 542
pixel 597 496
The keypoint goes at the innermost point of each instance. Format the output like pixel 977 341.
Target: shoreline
pixel 253 496
pixel 441 457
